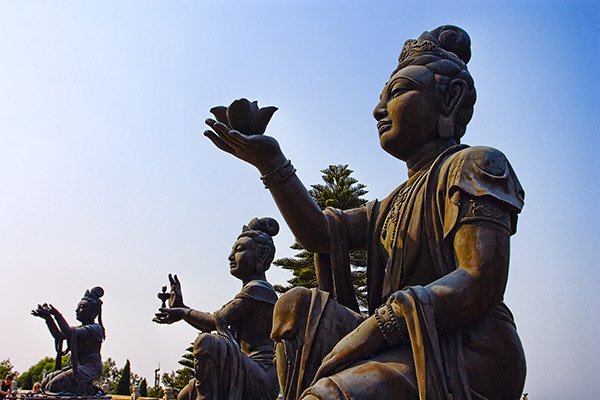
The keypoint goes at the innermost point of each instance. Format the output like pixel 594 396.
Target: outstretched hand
pixel 169 315
pixel 41 311
pixel 176 298
pixel 259 150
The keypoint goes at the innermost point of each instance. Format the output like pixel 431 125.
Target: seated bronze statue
pixel 438 250
pixel 84 343
pixel 236 362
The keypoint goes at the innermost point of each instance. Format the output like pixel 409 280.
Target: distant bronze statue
pixel 438 250
pixel 84 343
pixel 236 362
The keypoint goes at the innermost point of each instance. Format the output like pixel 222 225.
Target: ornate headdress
pixel 92 297
pixel 447 42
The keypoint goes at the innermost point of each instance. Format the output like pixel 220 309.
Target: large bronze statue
pixel 236 362
pixel 438 251
pixel 84 343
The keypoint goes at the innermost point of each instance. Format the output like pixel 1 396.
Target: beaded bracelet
pixel 389 325
pixel 278 175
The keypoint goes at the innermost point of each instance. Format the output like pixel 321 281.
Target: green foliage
pixel 27 382
pixel 6 367
pixel 156 392
pixel 144 388
pixel 187 359
pixel 124 382
pixel 36 371
pixel 180 378
pixel 341 191
pixel 110 375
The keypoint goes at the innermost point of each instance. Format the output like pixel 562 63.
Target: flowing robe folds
pixel 229 365
pixel 410 245
pixel 86 364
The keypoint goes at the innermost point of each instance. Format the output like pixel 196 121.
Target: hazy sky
pixel 106 179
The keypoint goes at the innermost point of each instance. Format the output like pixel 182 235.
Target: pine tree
pixel 341 191
pixel 124 383
pixel 144 388
pixel 180 378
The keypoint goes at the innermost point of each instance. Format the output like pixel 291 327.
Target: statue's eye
pixel 398 90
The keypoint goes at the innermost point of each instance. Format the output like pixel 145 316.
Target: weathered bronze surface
pixel 236 362
pixel 84 343
pixel 438 251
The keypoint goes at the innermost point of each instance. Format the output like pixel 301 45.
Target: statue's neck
pixel 253 277
pixel 427 153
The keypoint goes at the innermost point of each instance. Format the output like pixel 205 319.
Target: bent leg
pixel 388 375
pixel 206 366
pixel 224 372
pixel 188 392
pixel 307 324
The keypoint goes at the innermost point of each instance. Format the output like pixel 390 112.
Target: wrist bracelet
pixel 389 325
pixel 278 175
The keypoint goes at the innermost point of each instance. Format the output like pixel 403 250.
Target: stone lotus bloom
pixel 244 116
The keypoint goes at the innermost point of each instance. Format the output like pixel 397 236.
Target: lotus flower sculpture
pixel 244 116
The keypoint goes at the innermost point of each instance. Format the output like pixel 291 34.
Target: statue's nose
pixel 380 111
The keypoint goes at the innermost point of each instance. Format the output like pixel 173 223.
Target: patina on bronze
pixel 83 341
pixel 236 362
pixel 438 251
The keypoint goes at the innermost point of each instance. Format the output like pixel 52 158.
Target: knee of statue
pixel 323 389
pixel 290 311
pixel 205 344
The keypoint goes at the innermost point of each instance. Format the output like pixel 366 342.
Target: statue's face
pixel 407 114
pixel 84 311
pixel 243 258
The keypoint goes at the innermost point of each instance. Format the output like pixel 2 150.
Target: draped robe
pixel 410 244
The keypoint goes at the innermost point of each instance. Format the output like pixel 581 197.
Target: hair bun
pixel 267 225
pixel 96 292
pixel 454 39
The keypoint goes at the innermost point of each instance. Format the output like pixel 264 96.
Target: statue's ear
pixel 452 99
pixel 263 253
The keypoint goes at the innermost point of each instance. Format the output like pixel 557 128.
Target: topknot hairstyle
pixel 445 51
pixel 92 298
pixel 262 230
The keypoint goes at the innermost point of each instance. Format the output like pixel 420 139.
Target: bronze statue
pixel 237 362
pixel 84 343
pixel 438 251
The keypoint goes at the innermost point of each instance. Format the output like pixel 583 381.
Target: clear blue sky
pixel 106 179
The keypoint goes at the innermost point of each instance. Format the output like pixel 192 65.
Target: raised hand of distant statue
pixel 239 129
pixel 170 315
pixel 176 298
pixel 41 311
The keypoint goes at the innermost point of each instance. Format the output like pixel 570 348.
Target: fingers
pixel 217 141
pixel 171 281
pixel 177 280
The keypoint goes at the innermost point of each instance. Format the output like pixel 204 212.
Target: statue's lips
pixel 383 126
pixel 232 265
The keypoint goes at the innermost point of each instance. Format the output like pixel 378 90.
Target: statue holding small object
pixel 438 249
pixel 83 342
pixel 236 362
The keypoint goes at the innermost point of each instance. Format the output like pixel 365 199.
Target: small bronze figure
pixel 84 342
pixel 163 296
pixel 236 363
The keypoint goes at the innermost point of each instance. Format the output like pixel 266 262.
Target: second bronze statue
pixel 236 362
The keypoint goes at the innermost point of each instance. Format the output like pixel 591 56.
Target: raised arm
pixel 301 213
pixel 43 312
pixel 203 321
pixel 63 325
